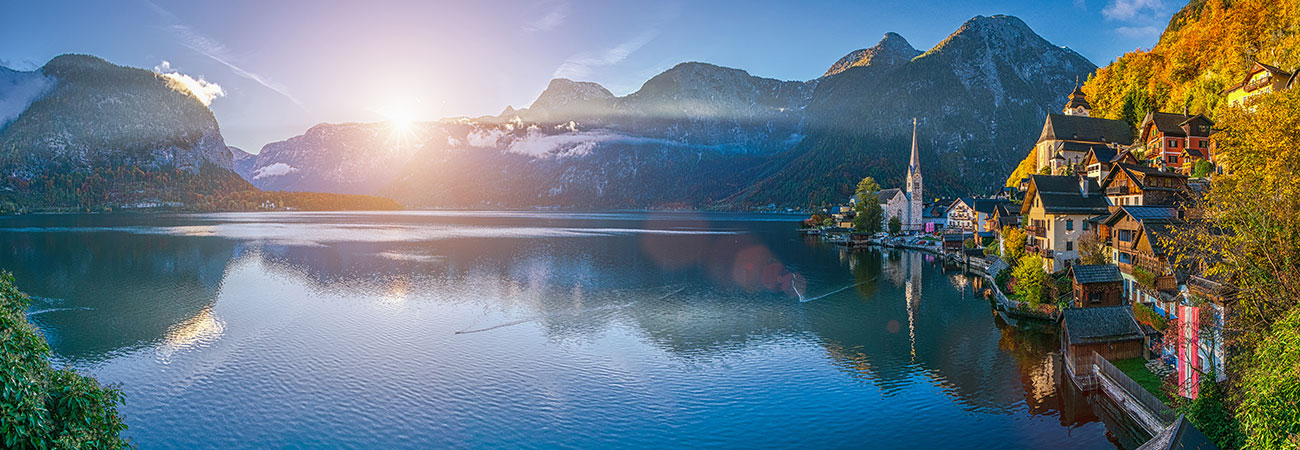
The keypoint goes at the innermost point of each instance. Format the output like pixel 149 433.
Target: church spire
pixel 916 159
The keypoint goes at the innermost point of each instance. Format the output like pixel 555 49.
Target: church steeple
pixel 912 219
pixel 916 160
pixel 1078 105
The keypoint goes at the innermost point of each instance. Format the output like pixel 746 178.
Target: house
pixel 934 219
pixel 1199 346
pixel 1165 136
pixel 1096 285
pixel 842 216
pixel 1128 184
pixel 1139 235
pixel 1110 331
pixel 961 214
pixel 1097 161
pixel 1261 79
pixel 1070 135
pixel 1055 213
pixel 984 209
pixel 1006 215
pixel 954 241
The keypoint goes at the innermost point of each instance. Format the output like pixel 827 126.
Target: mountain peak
pixel 563 93
pixel 892 49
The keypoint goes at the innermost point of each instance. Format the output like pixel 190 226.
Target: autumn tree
pixel 1092 249
pixel 1014 241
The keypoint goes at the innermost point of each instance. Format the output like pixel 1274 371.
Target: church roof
pixel 888 194
pixel 1078 98
pixel 1060 127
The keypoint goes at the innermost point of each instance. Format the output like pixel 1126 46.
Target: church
pixel 905 204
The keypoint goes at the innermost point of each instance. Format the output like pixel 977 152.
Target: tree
pixel 895 225
pixel 869 215
pixel 1203 168
pixel 1092 249
pixel 1014 239
pixel 44 407
pixel 1031 279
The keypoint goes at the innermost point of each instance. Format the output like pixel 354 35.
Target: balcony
pixel 1047 254
pixel 1123 245
pixel 1117 190
pixel 1036 231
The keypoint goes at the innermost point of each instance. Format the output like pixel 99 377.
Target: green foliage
pixel 1136 368
pixel 895 225
pixel 1203 168
pixel 1144 314
pixel 45 408
pixel 1032 282
pixel 1270 389
pixel 969 244
pixel 1144 277
pixel 1211 413
pixel 991 249
pixel 869 215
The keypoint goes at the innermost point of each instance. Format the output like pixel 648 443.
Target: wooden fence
pixel 1135 390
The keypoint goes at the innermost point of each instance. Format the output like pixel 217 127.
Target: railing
pixel 1047 253
pixel 1035 230
pixel 1259 83
pixel 1135 390
pixel 1117 190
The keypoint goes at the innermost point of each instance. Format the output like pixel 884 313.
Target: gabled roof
pixel 1101 153
pixel 1062 194
pixel 1139 174
pixel 1145 214
pixel 1260 67
pixel 1169 124
pixel 968 201
pixel 1194 152
pixel 888 194
pixel 935 212
pixel 1181 435
pixel 1060 127
pixel 1095 273
pixel 987 205
pixel 1100 325
pixel 1006 209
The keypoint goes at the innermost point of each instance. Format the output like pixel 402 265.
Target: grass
pixel 1136 368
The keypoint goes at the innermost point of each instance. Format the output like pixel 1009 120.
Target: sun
pixel 403 127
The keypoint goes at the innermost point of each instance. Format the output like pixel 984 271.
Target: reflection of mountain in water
pixel 108 286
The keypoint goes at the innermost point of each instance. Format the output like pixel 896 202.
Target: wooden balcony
pixel 1036 231
pixel 1117 190
pixel 1123 245
pixel 1046 253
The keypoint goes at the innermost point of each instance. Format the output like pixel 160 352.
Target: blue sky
pixel 274 69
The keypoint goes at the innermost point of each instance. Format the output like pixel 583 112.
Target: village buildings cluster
pixel 1095 179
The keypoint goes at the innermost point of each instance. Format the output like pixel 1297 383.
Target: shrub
pixel 1031 280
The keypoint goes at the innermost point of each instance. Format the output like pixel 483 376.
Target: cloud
pixel 1130 9
pixel 1080 5
pixel 274 170
pixel 214 50
pixel 203 89
pixel 549 21
pixel 579 65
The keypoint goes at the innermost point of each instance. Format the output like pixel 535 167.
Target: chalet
pixel 1261 79
pixel 1166 135
pixel 1109 331
pixel 1006 215
pixel 1072 134
pixel 1128 184
pixel 1055 213
pixel 984 210
pixel 1139 235
pixel 1097 285
pixel 1098 161
pixel 934 218
pixel 961 214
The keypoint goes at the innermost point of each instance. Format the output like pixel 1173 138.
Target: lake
pixel 535 330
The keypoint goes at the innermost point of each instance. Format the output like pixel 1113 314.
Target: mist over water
pixel 510 329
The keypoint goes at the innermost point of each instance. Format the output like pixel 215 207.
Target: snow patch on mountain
pixel 18 90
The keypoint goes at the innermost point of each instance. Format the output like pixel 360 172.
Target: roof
pixel 1095 273
pixel 1006 209
pixel 937 212
pixel 1194 152
pixel 1181 435
pixel 1167 123
pixel 1103 153
pixel 968 201
pixel 987 205
pixel 888 194
pixel 1145 214
pixel 1062 194
pixel 1100 325
pixel 1139 175
pixel 1078 98
pixel 1060 127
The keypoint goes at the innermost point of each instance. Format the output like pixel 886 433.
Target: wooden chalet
pixel 1138 235
pixel 1261 79
pixel 1129 184
pixel 1097 285
pixel 1166 135
pixel 1097 163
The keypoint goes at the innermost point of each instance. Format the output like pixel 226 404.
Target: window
pixel 1173 143
pixel 1125 258
pixel 1094 298
pixel 1126 236
pixel 1173 160
pixel 1085 225
pixel 1069 225
pixel 1069 246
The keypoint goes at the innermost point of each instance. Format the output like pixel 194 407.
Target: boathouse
pixel 1097 285
pixel 1110 331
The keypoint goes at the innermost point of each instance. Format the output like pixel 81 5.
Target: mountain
pixel 892 50
pixel 701 135
pixel 242 162
pixel 88 132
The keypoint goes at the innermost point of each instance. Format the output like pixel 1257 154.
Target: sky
pixel 272 69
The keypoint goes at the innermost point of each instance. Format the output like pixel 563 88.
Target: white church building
pixel 905 203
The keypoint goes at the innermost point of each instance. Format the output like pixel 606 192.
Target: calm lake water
pixel 483 329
